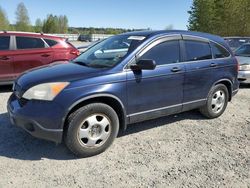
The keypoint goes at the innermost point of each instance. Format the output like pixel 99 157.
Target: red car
pixel 21 51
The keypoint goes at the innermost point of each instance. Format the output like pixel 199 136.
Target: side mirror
pixel 144 64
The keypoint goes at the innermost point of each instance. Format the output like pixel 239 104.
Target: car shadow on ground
pixel 244 86
pixel 18 144
pixel 5 88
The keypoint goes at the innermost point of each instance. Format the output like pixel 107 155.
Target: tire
pixel 91 129
pixel 216 102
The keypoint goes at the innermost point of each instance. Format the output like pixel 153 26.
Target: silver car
pixel 243 56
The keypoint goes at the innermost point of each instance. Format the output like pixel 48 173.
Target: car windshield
pixel 110 52
pixel 244 50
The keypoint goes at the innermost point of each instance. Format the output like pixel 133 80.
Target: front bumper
pixel 32 119
pixel 244 76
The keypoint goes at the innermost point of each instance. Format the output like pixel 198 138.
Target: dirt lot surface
pixel 185 150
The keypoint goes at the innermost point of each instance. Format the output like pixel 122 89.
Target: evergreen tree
pixel 221 17
pixel 22 18
pixel 38 25
pixel 4 23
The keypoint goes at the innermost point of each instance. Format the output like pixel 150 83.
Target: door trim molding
pixel 166 107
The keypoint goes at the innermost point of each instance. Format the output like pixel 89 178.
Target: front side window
pixel 164 53
pixel 4 43
pixel 29 43
pixel 109 52
pixel 219 51
pixel 196 50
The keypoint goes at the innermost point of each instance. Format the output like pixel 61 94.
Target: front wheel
pixel 216 102
pixel 91 129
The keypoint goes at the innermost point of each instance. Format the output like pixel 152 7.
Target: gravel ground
pixel 184 150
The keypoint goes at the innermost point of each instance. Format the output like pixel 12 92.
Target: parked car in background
pixel 21 51
pixel 236 42
pixel 243 56
pixel 83 48
pixel 138 76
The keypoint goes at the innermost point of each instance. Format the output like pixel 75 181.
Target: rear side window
pixel 196 50
pixel 164 53
pixel 219 51
pixel 29 43
pixel 4 43
pixel 51 42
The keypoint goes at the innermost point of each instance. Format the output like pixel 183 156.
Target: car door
pixel 199 76
pixel 31 52
pixel 158 92
pixel 6 59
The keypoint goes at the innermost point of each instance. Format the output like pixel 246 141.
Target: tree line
pixel 52 24
pixel 220 17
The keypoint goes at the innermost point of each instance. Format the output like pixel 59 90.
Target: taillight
pixel 75 52
pixel 238 64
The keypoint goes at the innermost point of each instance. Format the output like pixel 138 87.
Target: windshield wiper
pixel 81 63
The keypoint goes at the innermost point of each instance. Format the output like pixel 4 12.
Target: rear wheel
pixel 216 102
pixel 91 129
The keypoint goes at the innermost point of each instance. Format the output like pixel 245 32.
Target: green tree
pixel 38 25
pixel 4 23
pixel 50 24
pixel 22 18
pixel 63 24
pixel 221 17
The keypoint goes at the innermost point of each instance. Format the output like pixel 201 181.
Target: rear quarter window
pixel 51 42
pixel 4 42
pixel 196 50
pixel 219 51
pixel 29 43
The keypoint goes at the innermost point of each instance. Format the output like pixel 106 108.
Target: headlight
pixel 244 67
pixel 47 91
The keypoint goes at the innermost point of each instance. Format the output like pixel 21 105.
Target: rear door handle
pixel 45 55
pixel 5 58
pixel 175 69
pixel 213 65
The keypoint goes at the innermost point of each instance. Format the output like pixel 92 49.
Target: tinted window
pixel 164 53
pixel 4 43
pixel 219 51
pixel 28 43
pixel 197 51
pixel 244 50
pixel 51 42
pixel 236 42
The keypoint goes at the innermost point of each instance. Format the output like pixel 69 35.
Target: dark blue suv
pixel 125 79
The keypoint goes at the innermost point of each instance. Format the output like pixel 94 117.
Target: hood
pixel 243 60
pixel 56 73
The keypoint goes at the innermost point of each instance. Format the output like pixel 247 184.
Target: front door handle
pixel 213 65
pixel 175 69
pixel 45 55
pixel 5 58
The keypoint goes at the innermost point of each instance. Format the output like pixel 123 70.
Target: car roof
pixel 30 34
pixel 150 33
